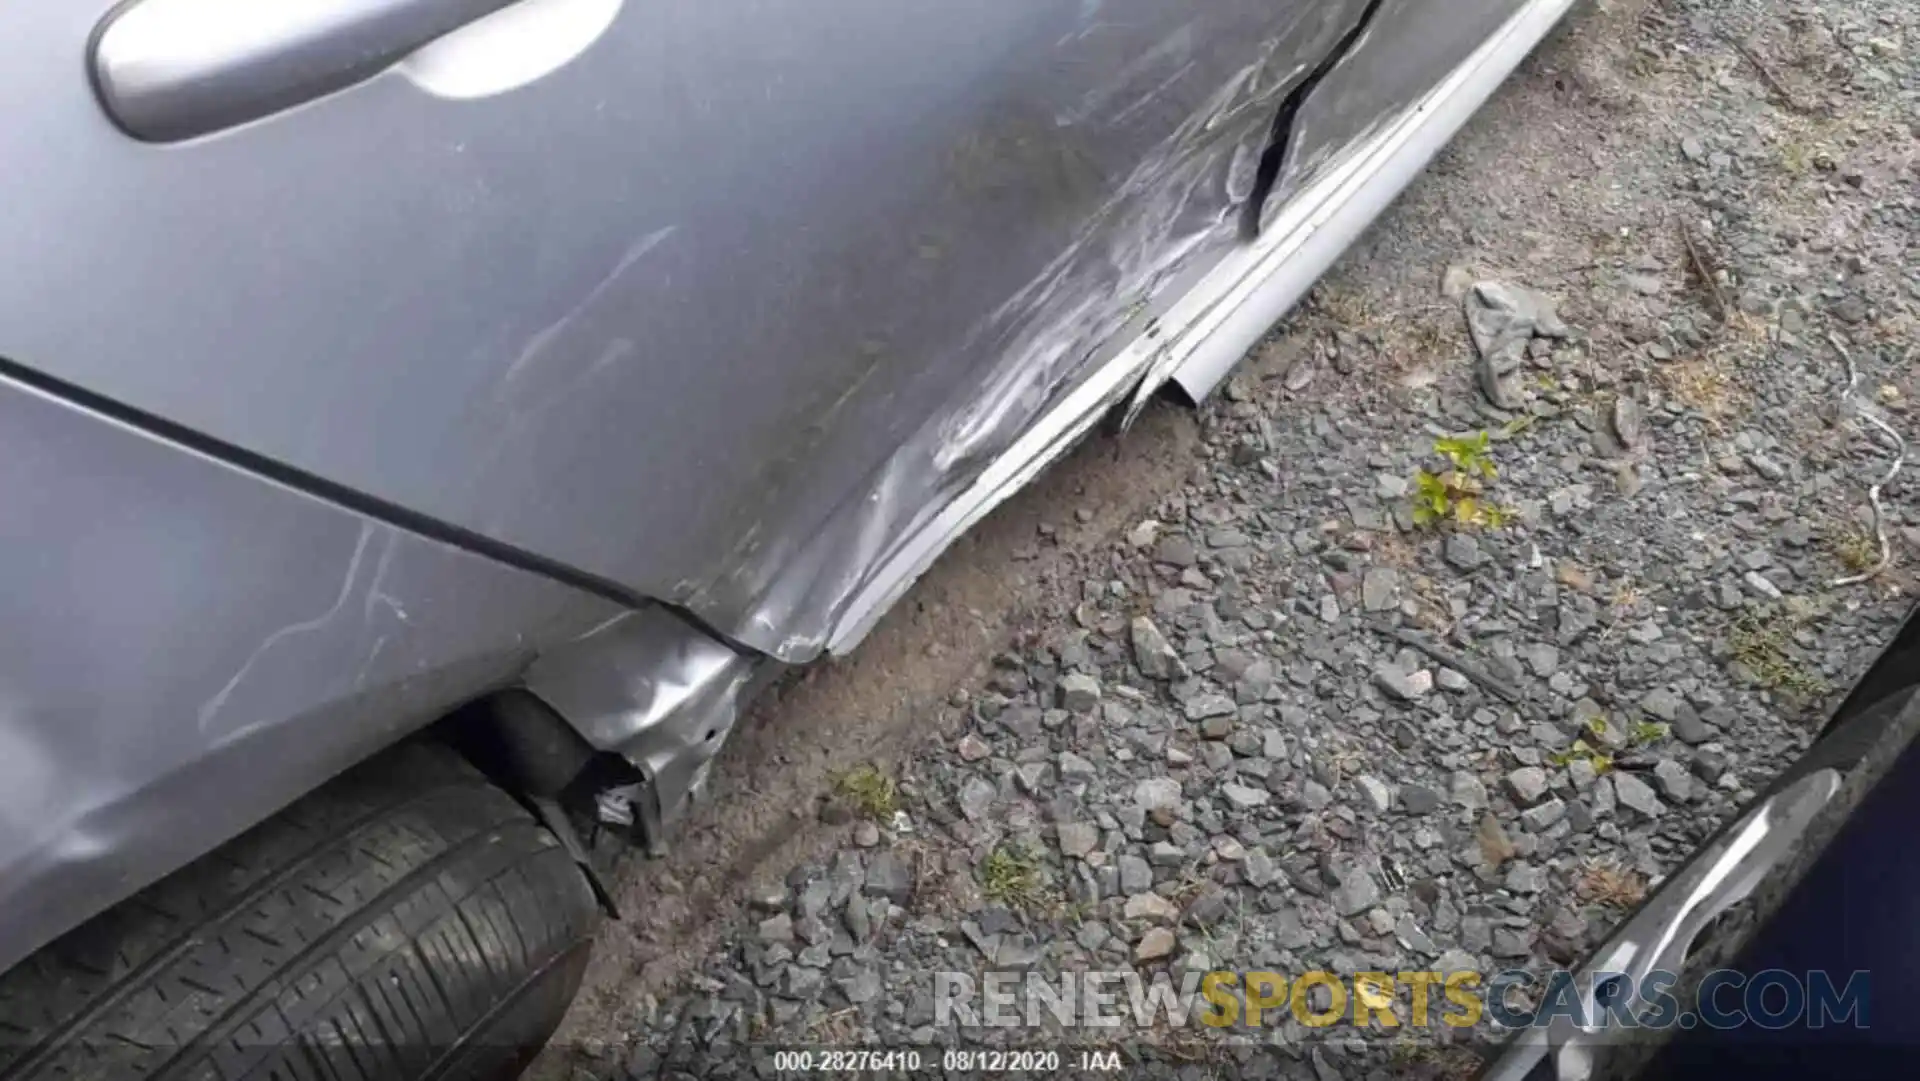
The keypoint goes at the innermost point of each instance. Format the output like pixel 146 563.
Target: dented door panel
pixel 715 314
pixel 1410 45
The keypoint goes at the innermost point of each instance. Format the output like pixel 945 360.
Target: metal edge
pixel 1253 287
pixel 1205 333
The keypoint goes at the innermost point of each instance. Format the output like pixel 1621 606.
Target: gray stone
pixel 1077 839
pixel 1401 685
pixel 862 986
pixel 1158 942
pixel 891 877
pixel 1356 893
pixel 1528 784
pixel 1636 795
pixel 1542 815
pixel 1629 423
pixel 1377 795
pixel 777 929
pixel 972 748
pixel 1524 877
pixel 1462 552
pixel 1511 942
pixel 1502 320
pixel 1466 791
pixel 1202 706
pixel 977 795
pixel 1380 589
pixel 1157 793
pixel 1258 868
pixel 1136 875
pixel 1075 768
pixel 1418 799
pixel 1242 798
pixel 1153 653
pixel 1673 781
pixel 1663 704
pixel 1079 692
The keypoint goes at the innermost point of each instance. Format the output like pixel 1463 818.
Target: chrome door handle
pixel 172 69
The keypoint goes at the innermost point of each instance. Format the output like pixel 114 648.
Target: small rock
pixel 1528 784
pixel 1418 799
pixel 1542 815
pixel 1673 781
pixel 1075 768
pixel 1242 798
pixel 1462 552
pixel 1466 791
pixel 1629 424
pixel 1524 877
pixel 1356 893
pixel 1663 704
pixel 1079 693
pixel 1762 585
pixel 1150 906
pixel 1156 794
pixel 1380 589
pixel 1378 796
pixel 891 877
pixel 1636 795
pixel 1401 685
pixel 1202 706
pixel 1258 868
pixel 977 796
pixel 972 748
pixel 1077 839
pixel 1153 653
pixel 1766 466
pixel 777 929
pixel 1155 944
pixel 866 834
pixel 1136 875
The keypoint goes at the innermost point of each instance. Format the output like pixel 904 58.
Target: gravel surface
pixel 1263 713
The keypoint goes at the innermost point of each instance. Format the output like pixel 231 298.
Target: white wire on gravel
pixel 1865 412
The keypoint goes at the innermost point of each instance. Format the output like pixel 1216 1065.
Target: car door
pixel 702 302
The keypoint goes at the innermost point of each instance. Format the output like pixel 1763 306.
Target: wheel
pixel 408 920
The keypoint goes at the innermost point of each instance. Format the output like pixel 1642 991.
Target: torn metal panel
pixel 1247 293
pixel 1202 335
pixel 656 690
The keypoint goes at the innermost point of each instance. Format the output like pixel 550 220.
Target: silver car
pixel 423 423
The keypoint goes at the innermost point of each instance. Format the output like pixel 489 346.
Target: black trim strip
pixel 299 480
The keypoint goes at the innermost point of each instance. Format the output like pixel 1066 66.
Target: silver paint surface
pixel 749 308
pixel 185 648
pixel 174 69
pixel 656 690
pixel 718 312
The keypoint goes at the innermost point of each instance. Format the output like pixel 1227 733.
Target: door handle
pixel 167 70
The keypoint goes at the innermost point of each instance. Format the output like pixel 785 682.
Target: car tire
pixel 408 920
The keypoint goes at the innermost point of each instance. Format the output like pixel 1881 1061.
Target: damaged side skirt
pixel 1206 332
pixel 665 694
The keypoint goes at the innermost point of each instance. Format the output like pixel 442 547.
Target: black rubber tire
pixel 407 921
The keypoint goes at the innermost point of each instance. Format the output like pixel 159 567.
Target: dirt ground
pixel 1574 179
